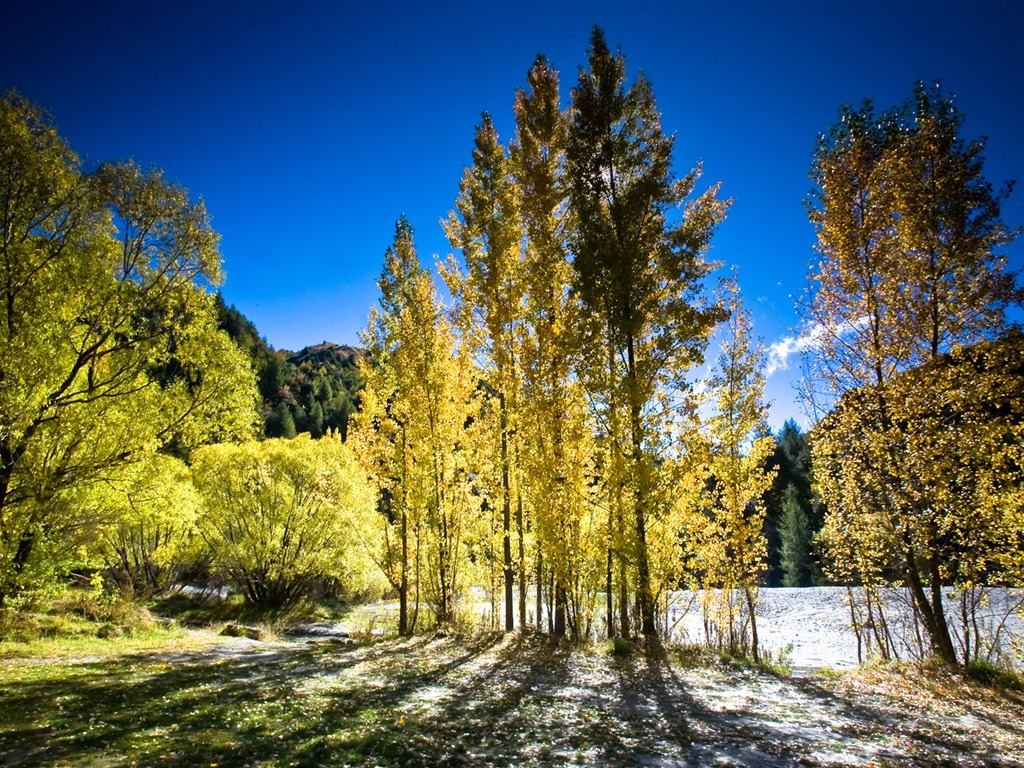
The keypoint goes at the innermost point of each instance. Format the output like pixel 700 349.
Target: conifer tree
pixel 795 536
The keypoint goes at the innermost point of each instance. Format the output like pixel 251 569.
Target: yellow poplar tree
pixel 486 227
pixel 557 433
pixel 730 546
pixel 419 391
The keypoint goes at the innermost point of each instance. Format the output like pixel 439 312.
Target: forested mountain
pixel 314 390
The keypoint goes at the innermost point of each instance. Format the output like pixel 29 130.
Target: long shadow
pixel 212 709
pixel 944 745
pixel 487 700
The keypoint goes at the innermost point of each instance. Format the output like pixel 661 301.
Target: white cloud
pixel 782 350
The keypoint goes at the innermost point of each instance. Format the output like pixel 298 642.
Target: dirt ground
pixel 320 698
pixel 518 700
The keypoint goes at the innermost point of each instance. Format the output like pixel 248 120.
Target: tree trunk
pixel 609 600
pixel 506 518
pixel 403 588
pixel 644 598
pixel 559 611
pixel 623 600
pixel 522 561
pixel 933 615
pixel 538 597
pixel 749 594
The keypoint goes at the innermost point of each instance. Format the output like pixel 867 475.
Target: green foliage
pixel 282 516
pixel 620 647
pixel 76 612
pixel 994 676
pixel 792 463
pixel 103 277
pixel 147 511
pixel 796 535
pixel 315 390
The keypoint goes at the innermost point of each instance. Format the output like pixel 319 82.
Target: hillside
pixel 313 390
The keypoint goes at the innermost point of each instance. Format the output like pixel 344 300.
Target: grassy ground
pixel 183 698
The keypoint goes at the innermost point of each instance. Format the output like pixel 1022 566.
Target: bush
pixel 283 517
pixel 75 612
pixel 994 676
pixel 620 647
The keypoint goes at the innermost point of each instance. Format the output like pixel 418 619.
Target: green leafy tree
pixel 638 271
pixel 148 512
pixel 110 347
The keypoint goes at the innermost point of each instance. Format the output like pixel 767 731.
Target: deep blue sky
pixel 309 127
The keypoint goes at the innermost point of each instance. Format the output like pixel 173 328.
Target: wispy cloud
pixel 780 352
pixel 810 337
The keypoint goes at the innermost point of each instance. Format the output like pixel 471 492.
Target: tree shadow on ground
pixel 487 700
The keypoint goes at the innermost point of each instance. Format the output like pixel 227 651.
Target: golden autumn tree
pixel 280 515
pixel 558 446
pixel 486 228
pixel 730 550
pixel 910 275
pixel 413 437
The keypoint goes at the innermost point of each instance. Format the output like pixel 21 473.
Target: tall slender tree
pixel 733 551
pixel 416 407
pixel 639 262
pixel 557 441
pixel 486 227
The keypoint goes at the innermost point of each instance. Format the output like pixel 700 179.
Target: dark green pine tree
pixel 282 424
pixel 792 460
pixel 797 564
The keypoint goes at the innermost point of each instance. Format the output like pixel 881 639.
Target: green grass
pixel 158 640
pixel 171 697
pixel 147 709
pixel 367 704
